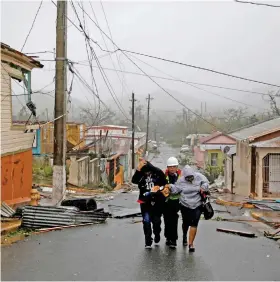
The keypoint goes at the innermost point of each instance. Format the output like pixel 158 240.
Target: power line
pixel 207 91
pixel 181 80
pixel 40 52
pixel 69 20
pixel 32 24
pixel 105 78
pixel 200 68
pixel 167 60
pixel 259 4
pixel 118 59
pixel 123 51
pixel 149 76
pixel 90 59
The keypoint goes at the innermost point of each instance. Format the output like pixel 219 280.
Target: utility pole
pixel 133 131
pixel 59 172
pixel 148 120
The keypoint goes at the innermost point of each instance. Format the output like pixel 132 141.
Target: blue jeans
pixel 151 216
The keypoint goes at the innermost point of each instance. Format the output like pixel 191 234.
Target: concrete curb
pixel 10 227
pixel 258 217
pixel 223 202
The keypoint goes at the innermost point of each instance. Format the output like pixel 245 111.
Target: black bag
pixel 208 210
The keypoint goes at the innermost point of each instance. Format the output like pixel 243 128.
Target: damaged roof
pixel 272 143
pixel 256 130
pixel 7 48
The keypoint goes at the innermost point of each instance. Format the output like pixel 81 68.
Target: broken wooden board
pixel 237 232
pixel 125 213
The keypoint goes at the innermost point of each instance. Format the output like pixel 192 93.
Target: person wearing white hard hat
pixel 171 206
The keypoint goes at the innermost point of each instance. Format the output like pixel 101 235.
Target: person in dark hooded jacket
pixel 149 178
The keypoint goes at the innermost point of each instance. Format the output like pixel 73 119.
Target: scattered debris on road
pixel 88 204
pixel 136 221
pixel 44 230
pixel 237 232
pixel 6 211
pixel 36 217
pixel 126 213
pixel 273 236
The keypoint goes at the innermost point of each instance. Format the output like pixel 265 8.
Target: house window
pixel 214 159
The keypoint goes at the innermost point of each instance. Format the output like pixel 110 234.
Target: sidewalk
pixel 271 218
pixel 234 200
pixel 10 226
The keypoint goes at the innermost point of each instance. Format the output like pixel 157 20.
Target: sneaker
pixel 148 244
pixel 191 249
pixel 167 243
pixel 173 244
pixel 157 239
pixel 185 242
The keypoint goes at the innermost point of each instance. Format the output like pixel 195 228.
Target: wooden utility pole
pixel 59 172
pixel 133 131
pixel 148 120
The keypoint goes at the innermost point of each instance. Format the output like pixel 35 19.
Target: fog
pixel 226 36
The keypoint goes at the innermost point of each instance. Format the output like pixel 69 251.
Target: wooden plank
pixel 237 232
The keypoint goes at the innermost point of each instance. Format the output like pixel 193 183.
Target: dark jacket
pixel 146 182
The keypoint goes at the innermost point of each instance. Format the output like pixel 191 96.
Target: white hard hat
pixel 172 162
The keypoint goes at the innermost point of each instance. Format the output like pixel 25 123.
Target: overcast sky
pixel 240 39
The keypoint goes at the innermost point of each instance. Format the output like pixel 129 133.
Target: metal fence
pixel 271 175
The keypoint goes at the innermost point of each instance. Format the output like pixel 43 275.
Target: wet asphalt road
pixel 115 251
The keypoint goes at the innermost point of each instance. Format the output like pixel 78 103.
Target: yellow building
pixel 43 143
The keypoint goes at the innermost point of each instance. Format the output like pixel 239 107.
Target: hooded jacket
pixel 146 182
pixel 190 195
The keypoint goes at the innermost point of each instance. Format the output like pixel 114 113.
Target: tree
pixel 273 104
pixel 234 118
pixel 23 114
pixel 92 117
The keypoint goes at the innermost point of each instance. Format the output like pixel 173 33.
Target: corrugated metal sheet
pixel 39 217
pixel 256 129
pixel 272 143
pixel 6 211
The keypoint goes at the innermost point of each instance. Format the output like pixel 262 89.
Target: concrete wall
pixel 230 172
pixel 94 172
pixel 79 171
pixel 243 169
pixel 83 171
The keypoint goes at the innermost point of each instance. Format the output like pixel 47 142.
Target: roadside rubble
pixel 275 236
pixel 36 217
pixel 237 232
